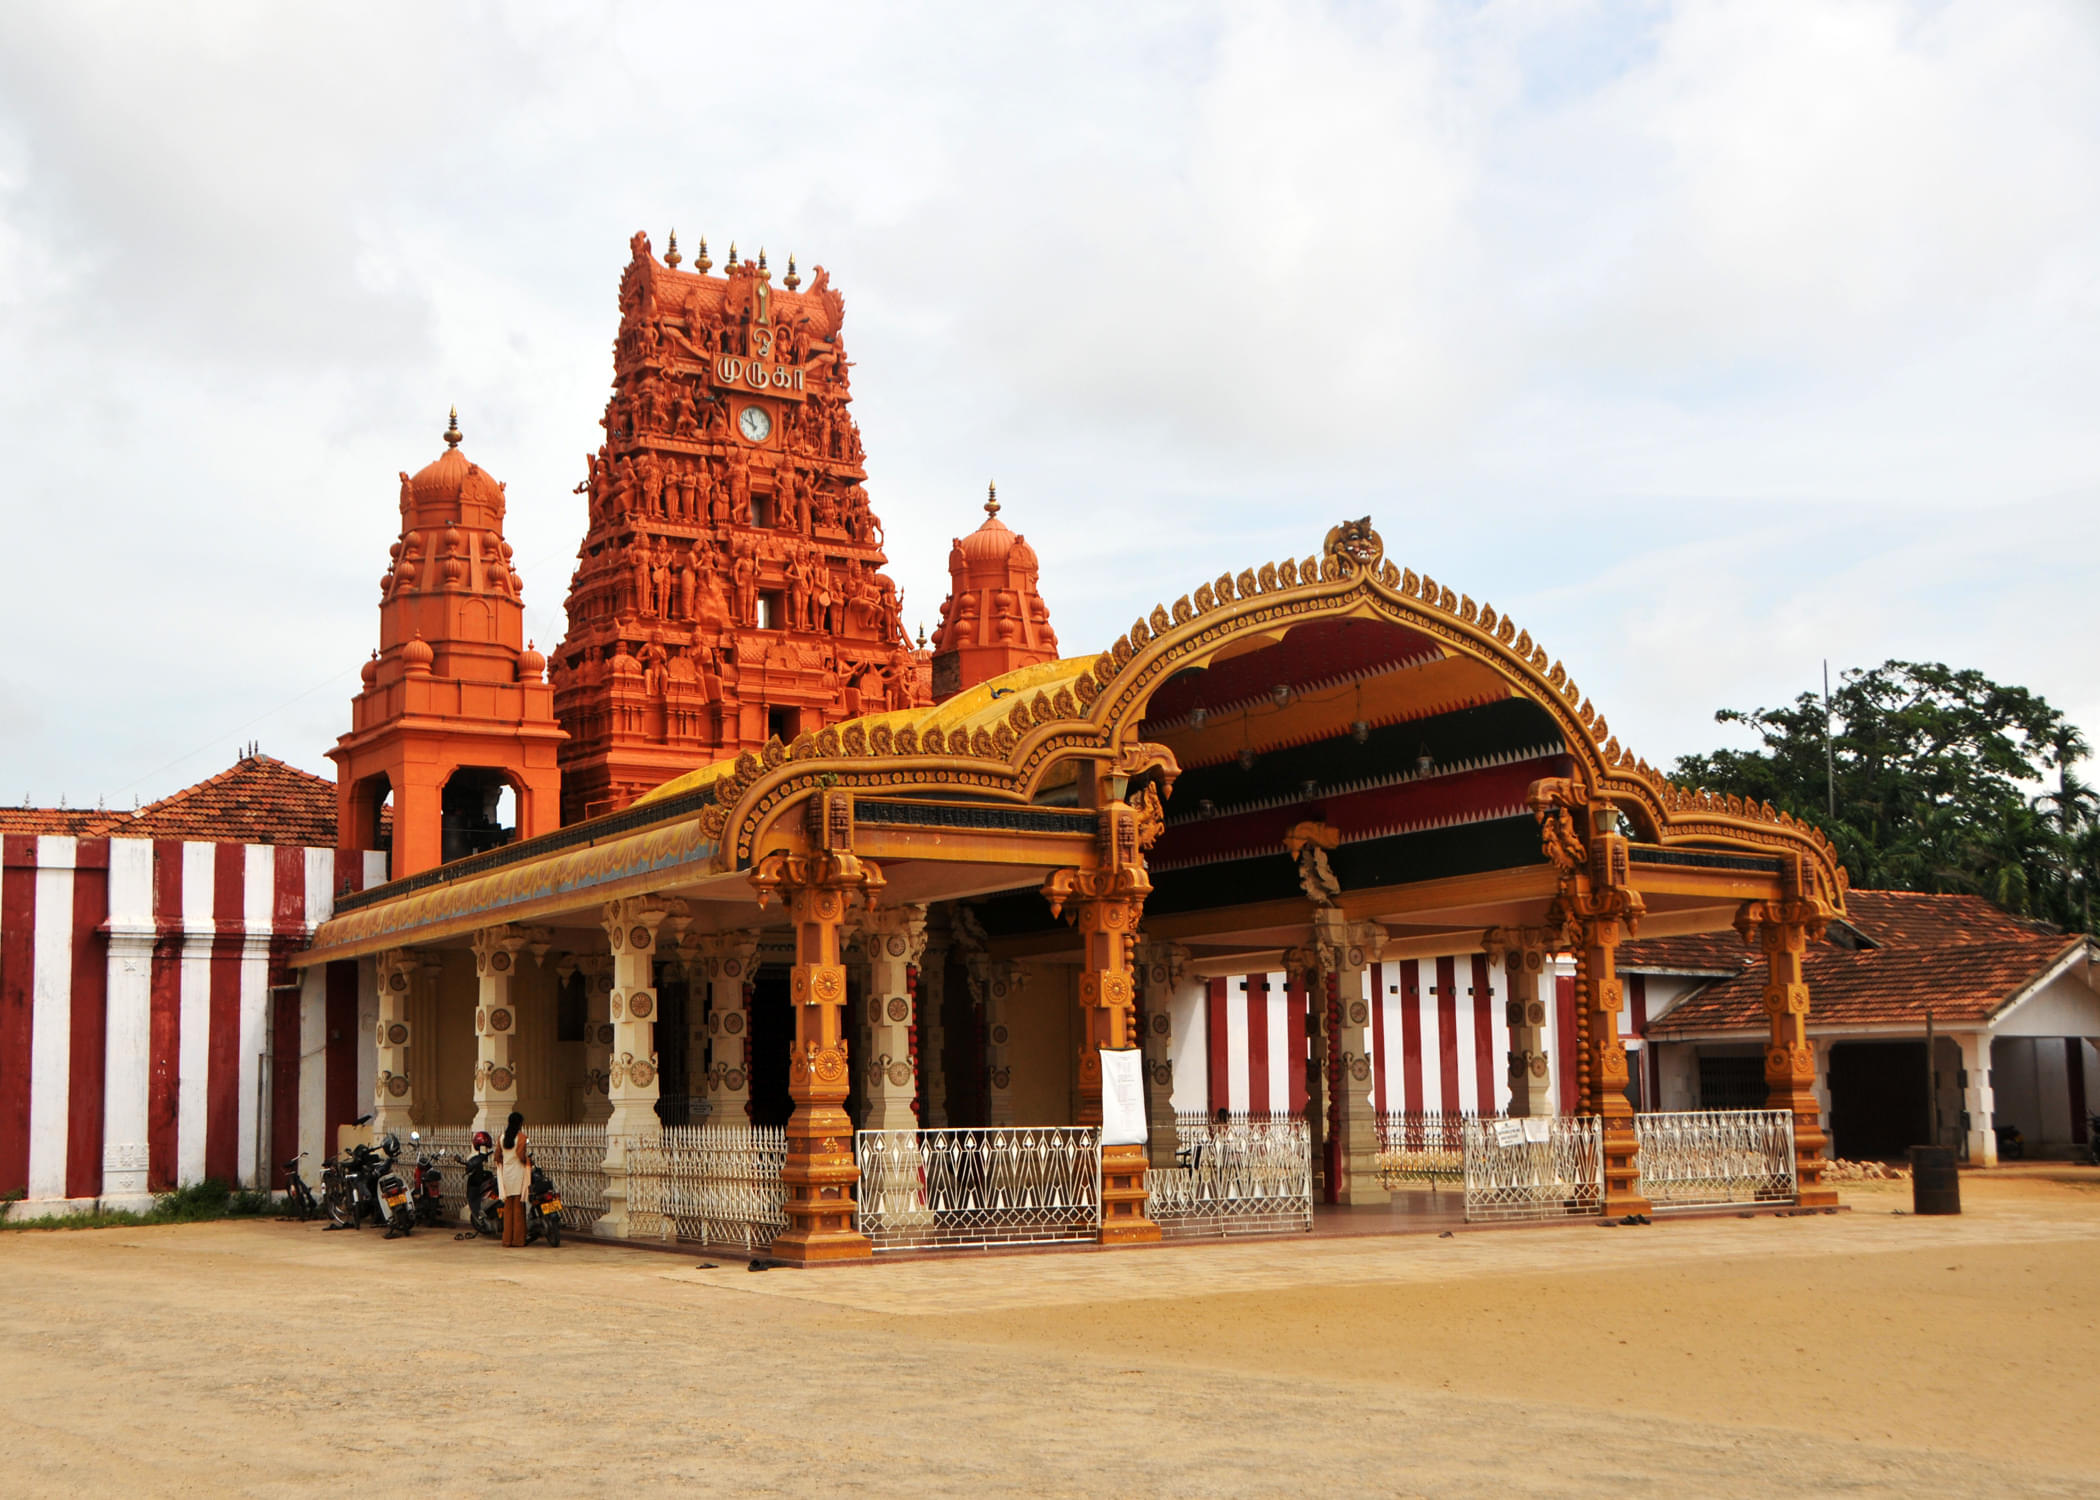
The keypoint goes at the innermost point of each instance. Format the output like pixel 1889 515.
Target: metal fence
pixel 1712 1158
pixel 451 1142
pixel 712 1184
pixel 1244 1176
pixel 574 1157
pixel 1538 1168
pixel 1426 1146
pixel 1025 1185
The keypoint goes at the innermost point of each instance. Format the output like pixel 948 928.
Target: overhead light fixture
pixel 1198 716
pixel 1309 787
pixel 1246 758
pixel 1424 761
pixel 1359 731
pixel 1205 808
pixel 1281 693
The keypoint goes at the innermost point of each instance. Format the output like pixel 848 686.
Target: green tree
pixel 1935 780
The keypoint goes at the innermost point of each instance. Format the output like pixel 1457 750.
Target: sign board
pixel 1507 1133
pixel 1122 1097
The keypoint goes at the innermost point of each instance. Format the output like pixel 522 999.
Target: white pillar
pixel 996 984
pixel 393 1095
pixel 891 940
pixel 1162 968
pixel 597 1036
pixel 495 1026
pixel 631 1088
pixel 1977 1100
pixel 730 960
pixel 128 1038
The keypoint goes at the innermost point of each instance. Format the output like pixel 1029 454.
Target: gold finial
pixel 671 255
pixel 791 280
pixel 991 499
pixel 922 637
pixel 761 257
pixel 452 429
pixel 700 262
pixel 730 264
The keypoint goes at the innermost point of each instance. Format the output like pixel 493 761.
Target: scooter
pixel 428 1194
pixel 389 1188
pixel 298 1197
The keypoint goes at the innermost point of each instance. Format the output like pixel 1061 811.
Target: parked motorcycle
pixel 543 1210
pixel 2012 1146
pixel 298 1197
pixel 389 1188
pixel 484 1205
pixel 428 1194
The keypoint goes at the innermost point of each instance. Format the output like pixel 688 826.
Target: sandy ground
pixel 1868 1353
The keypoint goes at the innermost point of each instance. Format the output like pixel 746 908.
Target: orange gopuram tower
pixel 730 587
pixel 994 620
pixel 455 706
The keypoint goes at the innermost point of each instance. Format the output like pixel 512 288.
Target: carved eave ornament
pixel 1093 712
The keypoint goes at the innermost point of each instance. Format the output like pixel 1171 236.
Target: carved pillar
pixel 1161 967
pixel 820 1173
pixel 1596 910
pixel 495 1026
pixel 393 1097
pixel 994 985
pixel 891 940
pixel 631 1089
pixel 731 961
pixel 1345 952
pixel 1105 906
pixel 1523 951
pixel 1784 929
pixel 933 1033
pixel 597 1037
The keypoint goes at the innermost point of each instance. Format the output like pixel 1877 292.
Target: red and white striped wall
pixel 1439 1039
pixel 139 1045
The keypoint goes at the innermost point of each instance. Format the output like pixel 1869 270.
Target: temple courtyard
pixel 1867 1352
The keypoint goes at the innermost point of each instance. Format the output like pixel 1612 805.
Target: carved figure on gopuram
pixel 729 588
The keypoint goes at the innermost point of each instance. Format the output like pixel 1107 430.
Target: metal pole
pixel 1932 1082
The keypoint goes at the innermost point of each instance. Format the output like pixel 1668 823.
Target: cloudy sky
pixel 1706 340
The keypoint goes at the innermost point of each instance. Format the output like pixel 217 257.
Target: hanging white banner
pixel 1122 1098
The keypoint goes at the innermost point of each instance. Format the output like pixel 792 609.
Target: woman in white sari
pixel 513 1177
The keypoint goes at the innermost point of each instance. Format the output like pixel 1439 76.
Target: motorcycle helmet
pixel 483 1141
pixel 392 1144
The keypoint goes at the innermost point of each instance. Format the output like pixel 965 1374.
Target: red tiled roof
pixel 34 820
pixel 1699 953
pixel 1918 918
pixel 1957 983
pixel 258 800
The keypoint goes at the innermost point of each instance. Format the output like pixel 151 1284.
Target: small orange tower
pixel 994 619
pixel 455 706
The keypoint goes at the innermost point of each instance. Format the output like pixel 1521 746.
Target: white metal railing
pixel 1710 1158
pixel 1423 1146
pixel 1539 1168
pixel 1009 1186
pixel 1245 1176
pixel 711 1184
pixel 574 1157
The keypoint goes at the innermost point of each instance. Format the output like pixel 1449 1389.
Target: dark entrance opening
pixel 674 1087
pixel 772 1033
pixel 1878 1101
pixel 1732 1083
